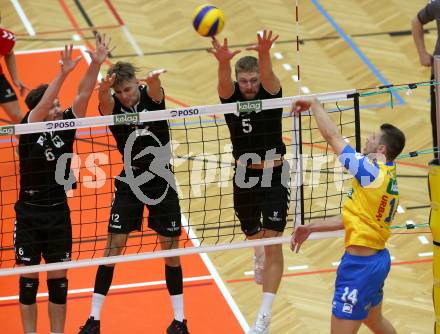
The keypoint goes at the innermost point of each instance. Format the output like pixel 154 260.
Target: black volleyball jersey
pixel 255 132
pixel 39 154
pixel 154 134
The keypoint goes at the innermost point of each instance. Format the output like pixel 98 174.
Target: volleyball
pixel 208 20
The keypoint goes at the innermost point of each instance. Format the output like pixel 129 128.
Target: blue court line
pixel 361 55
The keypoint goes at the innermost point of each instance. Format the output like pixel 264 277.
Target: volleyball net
pixel 203 166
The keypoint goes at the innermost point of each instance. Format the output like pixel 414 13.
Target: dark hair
pixel 247 64
pixel 124 72
pixel 35 96
pixel 394 140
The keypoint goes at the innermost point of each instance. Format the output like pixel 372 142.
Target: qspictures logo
pixel 7 130
pixel 132 118
pixel 249 106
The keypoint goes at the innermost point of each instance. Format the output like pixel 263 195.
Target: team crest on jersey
pixel 57 141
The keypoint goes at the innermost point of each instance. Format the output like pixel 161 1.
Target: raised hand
pixel 66 62
pixel 102 49
pixel 300 106
pixel 265 42
pixel 222 52
pixel 152 77
pixel 107 82
pixel 300 235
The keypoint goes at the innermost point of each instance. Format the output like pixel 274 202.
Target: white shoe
pixel 259 268
pixel 261 324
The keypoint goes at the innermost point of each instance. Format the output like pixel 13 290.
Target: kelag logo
pixel 60 125
pixel 249 106
pixel 7 130
pixel 185 112
pixel 132 118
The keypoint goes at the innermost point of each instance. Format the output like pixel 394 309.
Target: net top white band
pixel 175 113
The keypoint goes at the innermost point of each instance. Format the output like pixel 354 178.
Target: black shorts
pixel 7 93
pixel 128 210
pixel 42 231
pixel 262 200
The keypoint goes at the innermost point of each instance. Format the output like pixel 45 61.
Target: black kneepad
pixel 28 290
pixel 57 288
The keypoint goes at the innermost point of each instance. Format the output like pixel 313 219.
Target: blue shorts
pixel 359 284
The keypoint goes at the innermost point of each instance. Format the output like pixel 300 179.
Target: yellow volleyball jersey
pixel 369 209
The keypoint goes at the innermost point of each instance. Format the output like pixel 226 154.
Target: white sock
pixel 258 251
pixel 266 303
pixel 177 301
pixel 53 333
pixel 97 302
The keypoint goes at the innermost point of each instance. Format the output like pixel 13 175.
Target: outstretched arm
pixel 223 55
pixel 12 68
pixel 67 64
pixel 154 87
pixel 326 126
pixel 303 232
pixel 88 82
pixel 106 101
pixel 418 34
pixel 269 80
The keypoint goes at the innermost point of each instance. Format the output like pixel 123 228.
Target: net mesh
pixel 204 168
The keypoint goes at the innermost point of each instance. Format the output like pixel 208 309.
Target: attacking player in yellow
pixel 366 217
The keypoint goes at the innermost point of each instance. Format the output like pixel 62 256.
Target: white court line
pixel 132 41
pixel 297 267
pixel 287 67
pixel 423 240
pixel 335 264
pixel 24 52
pixel 117 287
pixel 27 24
pixel 426 254
pixel 211 268
pixel 278 55
pixel 305 90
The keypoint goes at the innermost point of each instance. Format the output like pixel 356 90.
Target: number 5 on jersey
pixel 247 126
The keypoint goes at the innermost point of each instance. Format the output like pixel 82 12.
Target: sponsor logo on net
pixel 60 125
pixel 249 106
pixel 130 118
pixel 7 130
pixel 185 112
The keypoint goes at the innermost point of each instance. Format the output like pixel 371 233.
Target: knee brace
pixel 173 278
pixel 57 288
pixel 28 290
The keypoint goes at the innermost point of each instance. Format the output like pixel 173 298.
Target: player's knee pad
pixel 28 290
pixel 57 288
